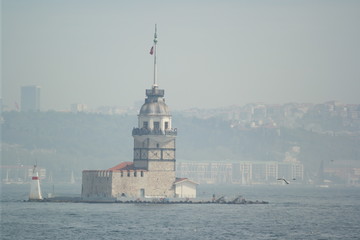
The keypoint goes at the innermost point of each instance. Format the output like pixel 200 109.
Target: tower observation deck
pixel 154 116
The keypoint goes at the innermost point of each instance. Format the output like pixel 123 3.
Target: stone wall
pixel 96 184
pixel 129 183
pixel 161 165
pixel 151 184
pixel 161 183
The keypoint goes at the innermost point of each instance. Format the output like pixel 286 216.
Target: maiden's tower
pixel 152 171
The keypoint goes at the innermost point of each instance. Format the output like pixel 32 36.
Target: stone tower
pixel 154 138
pixel 151 174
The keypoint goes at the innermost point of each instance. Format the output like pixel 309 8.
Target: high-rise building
pixel 30 98
pixel 78 107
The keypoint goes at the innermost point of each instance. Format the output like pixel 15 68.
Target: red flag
pixel 152 50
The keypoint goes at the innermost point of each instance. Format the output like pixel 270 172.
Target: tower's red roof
pixel 123 166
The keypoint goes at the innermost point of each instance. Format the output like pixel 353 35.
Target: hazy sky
pixel 210 53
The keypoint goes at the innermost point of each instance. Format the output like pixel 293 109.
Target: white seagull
pixel 283 179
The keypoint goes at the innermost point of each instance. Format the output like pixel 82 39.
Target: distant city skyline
pixel 210 54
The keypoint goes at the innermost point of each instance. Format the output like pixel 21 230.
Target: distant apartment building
pixel 112 110
pixel 30 98
pixel 79 107
pixel 244 172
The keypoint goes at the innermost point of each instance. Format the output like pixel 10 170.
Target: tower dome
pixel 154 103
pixel 154 108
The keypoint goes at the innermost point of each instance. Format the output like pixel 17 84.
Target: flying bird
pixel 283 179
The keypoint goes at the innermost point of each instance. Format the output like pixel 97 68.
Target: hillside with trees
pixel 63 142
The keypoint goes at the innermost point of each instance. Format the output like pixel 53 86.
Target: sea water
pixel 293 212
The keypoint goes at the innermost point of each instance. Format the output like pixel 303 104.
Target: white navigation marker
pixel 35 191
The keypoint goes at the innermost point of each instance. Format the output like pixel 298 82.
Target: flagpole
pixel 155 52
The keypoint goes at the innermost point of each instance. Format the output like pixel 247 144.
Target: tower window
pixel 166 125
pixel 156 125
pixel 135 174
pixel 141 173
pixel 145 125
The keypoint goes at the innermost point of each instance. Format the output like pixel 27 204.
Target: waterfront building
pixel 79 107
pixel 17 174
pixel 30 98
pixel 242 172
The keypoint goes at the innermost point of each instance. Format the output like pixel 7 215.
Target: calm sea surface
pixel 294 212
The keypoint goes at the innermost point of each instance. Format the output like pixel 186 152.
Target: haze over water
pixel 97 52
